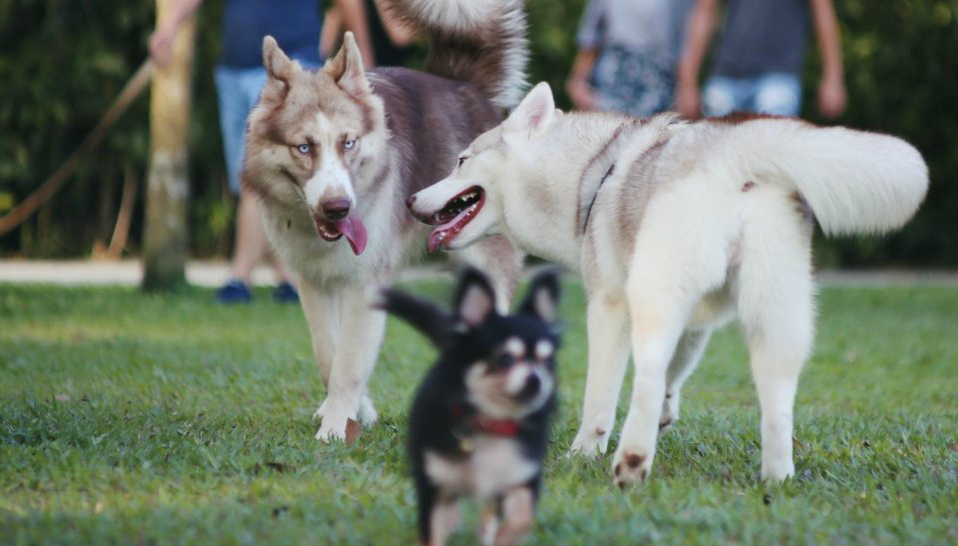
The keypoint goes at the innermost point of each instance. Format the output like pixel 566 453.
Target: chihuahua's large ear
pixel 542 301
pixel 422 315
pixel 475 299
pixel 347 68
pixel 534 113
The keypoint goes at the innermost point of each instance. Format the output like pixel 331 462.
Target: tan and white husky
pixel 335 153
pixel 676 228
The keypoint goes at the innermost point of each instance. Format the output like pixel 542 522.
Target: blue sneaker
pixel 234 291
pixel 285 293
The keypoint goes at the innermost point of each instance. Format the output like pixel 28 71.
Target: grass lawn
pixel 130 419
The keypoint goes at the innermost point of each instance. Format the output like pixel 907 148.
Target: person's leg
pixel 233 109
pixel 778 94
pixel 250 245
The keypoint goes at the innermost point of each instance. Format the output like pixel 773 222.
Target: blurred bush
pixel 63 61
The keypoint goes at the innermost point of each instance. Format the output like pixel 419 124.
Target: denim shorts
pixel 779 94
pixel 238 91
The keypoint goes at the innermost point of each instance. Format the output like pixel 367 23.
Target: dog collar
pixel 474 424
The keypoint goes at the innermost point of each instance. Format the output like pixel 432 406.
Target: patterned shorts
pixel 636 83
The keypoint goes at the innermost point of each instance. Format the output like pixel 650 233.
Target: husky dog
pixel 334 154
pixel 480 421
pixel 676 228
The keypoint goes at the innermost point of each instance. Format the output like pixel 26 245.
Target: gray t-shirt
pixel 763 36
pixel 642 26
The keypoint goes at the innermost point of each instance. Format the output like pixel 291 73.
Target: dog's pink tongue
pixel 435 239
pixel 355 231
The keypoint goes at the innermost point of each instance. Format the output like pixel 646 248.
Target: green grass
pixel 131 419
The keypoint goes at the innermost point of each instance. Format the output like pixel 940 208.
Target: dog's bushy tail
pixel 482 42
pixel 854 181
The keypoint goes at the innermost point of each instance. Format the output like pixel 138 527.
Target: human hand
pixel 582 94
pixel 161 45
pixel 688 102
pixel 832 97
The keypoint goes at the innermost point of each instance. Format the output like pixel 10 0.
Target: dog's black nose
pixel 410 201
pixel 531 388
pixel 336 209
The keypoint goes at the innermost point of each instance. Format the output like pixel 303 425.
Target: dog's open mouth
pixel 454 216
pixel 352 227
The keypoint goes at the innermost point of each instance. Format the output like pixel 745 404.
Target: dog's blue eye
pixel 303 148
pixel 348 145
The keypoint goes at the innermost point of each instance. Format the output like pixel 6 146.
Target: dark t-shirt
pixel 762 36
pixel 294 23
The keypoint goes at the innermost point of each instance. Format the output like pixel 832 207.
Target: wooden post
pixel 165 240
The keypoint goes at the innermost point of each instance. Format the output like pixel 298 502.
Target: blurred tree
pixel 164 250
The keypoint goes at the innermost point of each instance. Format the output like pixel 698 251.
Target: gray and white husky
pixel 676 228
pixel 334 154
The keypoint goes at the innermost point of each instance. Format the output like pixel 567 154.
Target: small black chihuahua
pixel 480 421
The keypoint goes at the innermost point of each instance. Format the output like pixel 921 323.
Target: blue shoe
pixel 234 291
pixel 285 293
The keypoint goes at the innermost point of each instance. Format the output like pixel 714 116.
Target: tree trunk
pixel 165 240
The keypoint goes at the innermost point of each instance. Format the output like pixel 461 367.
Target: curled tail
pixel 477 41
pixel 854 181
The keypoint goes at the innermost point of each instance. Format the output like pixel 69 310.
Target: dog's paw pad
pixel 629 468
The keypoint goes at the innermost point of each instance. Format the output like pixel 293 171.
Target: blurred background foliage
pixel 63 61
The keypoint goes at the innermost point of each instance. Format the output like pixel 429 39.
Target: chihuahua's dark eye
pixel 462 160
pixel 506 360
pixel 304 148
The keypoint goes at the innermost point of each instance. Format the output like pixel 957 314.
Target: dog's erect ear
pixel 277 64
pixel 280 69
pixel 422 315
pixel 475 299
pixel 347 68
pixel 534 113
pixel 542 301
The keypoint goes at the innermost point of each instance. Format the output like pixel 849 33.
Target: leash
pixel 134 86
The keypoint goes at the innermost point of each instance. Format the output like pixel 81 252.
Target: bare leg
pixel 251 246
pixel 608 332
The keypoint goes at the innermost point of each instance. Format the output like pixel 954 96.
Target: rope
pixel 134 86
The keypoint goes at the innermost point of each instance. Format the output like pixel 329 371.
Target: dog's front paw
pixel 367 412
pixel 630 467
pixel 338 424
pixel 590 442
pixel 778 471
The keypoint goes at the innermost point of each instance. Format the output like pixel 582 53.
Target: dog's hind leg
pixel 678 259
pixel 687 356
pixel 361 331
pixel 607 323
pixel 500 261
pixel 776 307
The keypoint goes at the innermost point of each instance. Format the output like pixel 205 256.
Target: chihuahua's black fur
pixel 489 397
